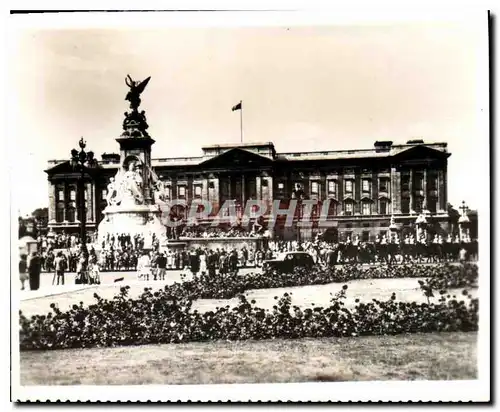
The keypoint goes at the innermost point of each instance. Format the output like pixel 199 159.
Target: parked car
pixel 287 262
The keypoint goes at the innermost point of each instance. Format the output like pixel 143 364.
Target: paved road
pixel 107 279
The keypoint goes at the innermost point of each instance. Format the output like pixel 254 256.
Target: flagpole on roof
pixel 239 107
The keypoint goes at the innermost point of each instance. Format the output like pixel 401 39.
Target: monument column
pixel 131 208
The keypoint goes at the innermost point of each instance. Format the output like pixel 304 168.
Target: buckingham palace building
pixel 367 189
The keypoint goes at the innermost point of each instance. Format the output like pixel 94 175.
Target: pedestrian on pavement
pixel 34 269
pixel 144 266
pixel 23 270
pixel 161 264
pixel 60 267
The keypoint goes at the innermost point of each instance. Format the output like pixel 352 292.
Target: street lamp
pixel 80 161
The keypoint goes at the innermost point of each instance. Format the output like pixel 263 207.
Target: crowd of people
pixel 216 232
pixel 121 252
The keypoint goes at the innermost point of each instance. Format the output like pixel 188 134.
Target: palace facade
pixel 365 187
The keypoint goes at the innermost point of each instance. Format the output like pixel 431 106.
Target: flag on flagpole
pixel 237 107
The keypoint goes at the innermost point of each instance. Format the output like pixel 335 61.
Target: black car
pixel 287 262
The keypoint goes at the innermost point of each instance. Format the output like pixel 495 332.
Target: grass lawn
pixel 436 356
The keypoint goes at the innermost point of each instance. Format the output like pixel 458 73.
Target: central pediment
pixel 237 158
pixel 421 152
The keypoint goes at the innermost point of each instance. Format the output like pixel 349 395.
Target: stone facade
pixel 365 187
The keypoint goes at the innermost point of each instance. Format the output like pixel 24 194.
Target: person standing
pixel 462 254
pixel 23 270
pixel 144 266
pixel 161 264
pixel 34 269
pixel 203 263
pixel 60 267
pixel 194 263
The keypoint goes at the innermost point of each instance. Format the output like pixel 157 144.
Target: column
pixel 357 194
pixel 441 201
pixel 270 189
pixel 258 187
pixel 52 201
pixel 94 203
pixel 412 205
pixel 395 191
pixel 243 196
pixel 65 201
pixel 88 202
pixel 204 189
pixel 215 198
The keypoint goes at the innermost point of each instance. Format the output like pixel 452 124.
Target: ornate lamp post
pixel 81 161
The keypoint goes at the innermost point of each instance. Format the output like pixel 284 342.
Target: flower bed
pixel 165 316
pixel 159 318
pixel 228 286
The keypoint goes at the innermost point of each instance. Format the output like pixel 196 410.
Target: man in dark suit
pixel 161 264
pixel 35 267
pixel 194 263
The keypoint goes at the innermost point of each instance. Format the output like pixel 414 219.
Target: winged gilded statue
pixel 136 88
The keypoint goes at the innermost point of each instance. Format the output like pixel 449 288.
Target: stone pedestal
pixel 143 220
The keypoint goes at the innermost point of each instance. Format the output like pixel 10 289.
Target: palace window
pixel 332 209
pixel 418 181
pixel 349 187
pixel 71 214
pixel 281 186
pixel 72 195
pixel 86 194
pixel 314 188
pixel 383 185
pixel 366 186
pixel 383 207
pixel 405 182
pixel 211 185
pixel 104 193
pixel 431 204
pixel 431 182
pixel 419 201
pixel 168 192
pixel 197 191
pixel 60 195
pixel 405 205
pixel 332 187
pixel 348 208
pixel 367 208
pixel 60 212
pixel 181 190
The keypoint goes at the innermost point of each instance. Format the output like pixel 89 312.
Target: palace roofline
pixel 380 150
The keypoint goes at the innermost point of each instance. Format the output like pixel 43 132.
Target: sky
pixel 303 88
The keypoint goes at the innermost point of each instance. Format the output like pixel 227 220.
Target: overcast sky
pixel 303 88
